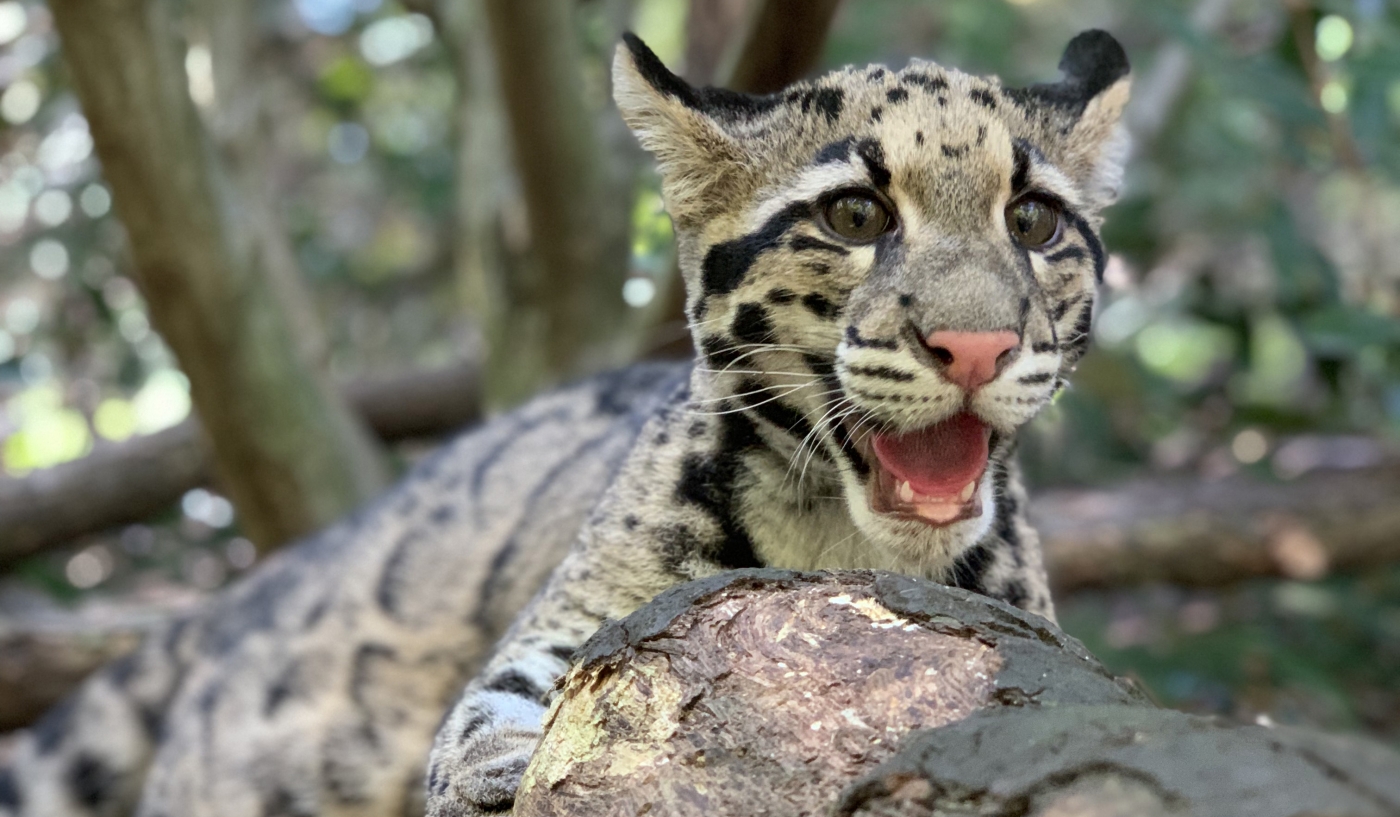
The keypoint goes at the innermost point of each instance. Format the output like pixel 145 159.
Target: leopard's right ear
pixel 696 134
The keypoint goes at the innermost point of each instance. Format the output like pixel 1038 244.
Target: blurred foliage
pixel 1251 301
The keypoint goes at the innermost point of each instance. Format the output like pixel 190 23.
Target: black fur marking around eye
pixel 752 324
pixel 780 295
pixel 1033 379
pixel 983 97
pixel 826 101
pixel 1067 254
pixel 896 95
pixel 837 151
pixel 818 305
pixel 807 242
pixel 514 683
pixel 727 262
pixel 872 153
pixel 1091 242
pixel 881 373
pixel 709 482
pixel 1021 166
pixel 954 151
pixel 854 338
pixel 718 102
pixel 928 83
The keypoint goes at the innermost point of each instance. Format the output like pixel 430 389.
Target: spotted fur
pixel 316 687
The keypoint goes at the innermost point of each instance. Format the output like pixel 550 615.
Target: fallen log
pixel 860 693
pixel 128 482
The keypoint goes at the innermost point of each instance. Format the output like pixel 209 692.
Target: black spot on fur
pixel 1091 242
pixel 286 686
pixel 1034 379
pixel 1041 347
pixel 906 300
pixel 752 324
pixel 818 305
pixel 875 113
pixel 928 83
pixel 872 153
pixel 678 544
pixel 92 782
pixel 54 726
pixel 942 101
pixel 720 353
pixel 472 727
pixel 514 683
pixel 954 151
pixel 823 367
pixel 896 95
pixel 780 295
pixel 727 262
pixel 981 134
pixel 918 137
pixel 807 242
pixel 854 337
pixel 282 802
pixel 826 101
pixel 1020 165
pixel 362 667
pixel 697 429
pixel 876 74
pixel 710 483
pixel 1063 307
pixel 630 522
pixel 9 792
pixel 837 151
pixel 1016 594
pixel 969 568
pixel 881 373
pixel 1068 253
pixel 983 97
pixel 717 102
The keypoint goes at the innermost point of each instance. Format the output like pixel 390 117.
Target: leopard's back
pixel 315 686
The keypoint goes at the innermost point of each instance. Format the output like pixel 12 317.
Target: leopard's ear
pixel 696 134
pixel 1087 107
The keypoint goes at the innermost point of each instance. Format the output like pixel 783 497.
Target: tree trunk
pixel 561 313
pixel 290 454
pixel 772 692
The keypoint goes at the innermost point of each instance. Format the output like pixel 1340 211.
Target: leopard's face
pixel 892 270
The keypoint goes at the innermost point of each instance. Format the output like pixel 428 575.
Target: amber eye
pixel 1033 222
pixel 858 217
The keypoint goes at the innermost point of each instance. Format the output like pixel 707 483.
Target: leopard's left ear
pixel 1087 104
pixel 696 134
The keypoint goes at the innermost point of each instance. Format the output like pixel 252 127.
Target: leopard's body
pixel 316 686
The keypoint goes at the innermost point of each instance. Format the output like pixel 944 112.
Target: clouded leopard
pixel 888 273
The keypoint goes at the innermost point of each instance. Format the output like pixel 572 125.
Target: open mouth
pixel 931 474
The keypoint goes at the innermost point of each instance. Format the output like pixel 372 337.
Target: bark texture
pixel 860 693
pixel 290 454
pixel 768 691
pixel 132 481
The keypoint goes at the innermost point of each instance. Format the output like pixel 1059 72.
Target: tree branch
pixel 129 482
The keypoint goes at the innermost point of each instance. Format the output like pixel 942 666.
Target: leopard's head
pixel 890 272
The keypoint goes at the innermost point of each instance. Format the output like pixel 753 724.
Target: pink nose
pixel 972 359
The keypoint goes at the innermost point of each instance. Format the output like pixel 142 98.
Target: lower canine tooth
pixel 967 491
pixel 905 491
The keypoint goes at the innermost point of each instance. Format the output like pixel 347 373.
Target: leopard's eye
pixel 858 217
pixel 1033 222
